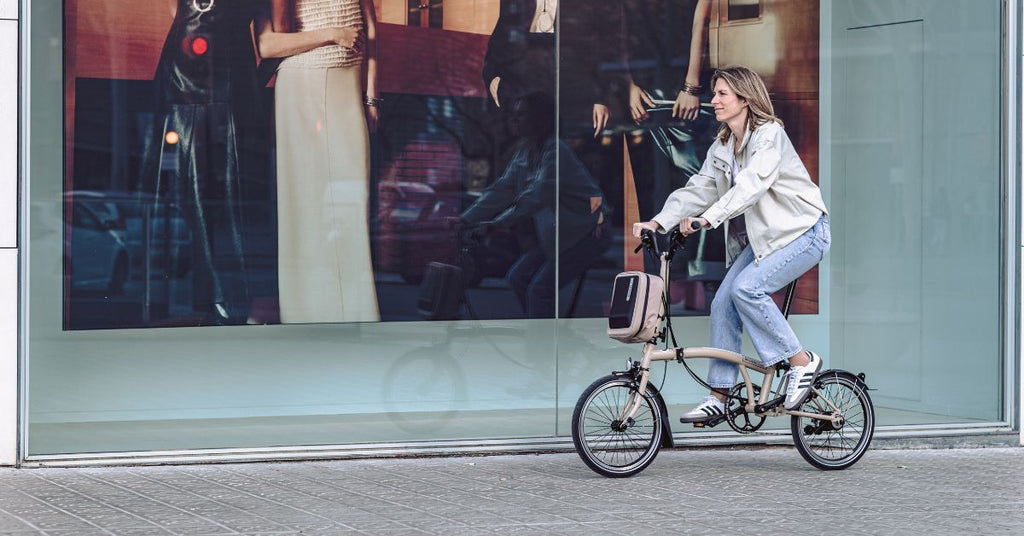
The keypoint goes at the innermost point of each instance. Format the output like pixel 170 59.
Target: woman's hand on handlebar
pixel 640 227
pixel 691 225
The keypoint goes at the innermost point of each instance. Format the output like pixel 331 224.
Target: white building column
pixel 9 106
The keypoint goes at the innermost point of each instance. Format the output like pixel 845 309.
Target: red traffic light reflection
pixel 200 46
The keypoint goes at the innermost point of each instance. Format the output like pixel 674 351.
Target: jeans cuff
pixel 783 357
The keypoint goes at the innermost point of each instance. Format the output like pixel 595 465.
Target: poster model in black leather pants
pixel 202 155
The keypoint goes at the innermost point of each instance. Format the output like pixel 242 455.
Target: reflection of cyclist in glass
pixel 776 223
pixel 526 190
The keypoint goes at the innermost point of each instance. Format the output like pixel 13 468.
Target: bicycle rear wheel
pixel 831 446
pixel 607 445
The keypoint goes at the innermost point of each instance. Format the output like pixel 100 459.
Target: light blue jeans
pixel 744 299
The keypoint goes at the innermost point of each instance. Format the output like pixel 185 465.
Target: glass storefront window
pixel 409 230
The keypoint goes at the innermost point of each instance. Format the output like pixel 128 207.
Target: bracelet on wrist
pixel 696 91
pixel 372 101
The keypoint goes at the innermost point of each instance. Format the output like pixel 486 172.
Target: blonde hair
pixel 748 86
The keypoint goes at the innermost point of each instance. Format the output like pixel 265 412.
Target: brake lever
pixel 646 239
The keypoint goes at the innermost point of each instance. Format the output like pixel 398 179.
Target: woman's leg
pixel 771 334
pixel 726 325
pixel 522 273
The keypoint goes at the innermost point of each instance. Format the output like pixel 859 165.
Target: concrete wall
pixel 8 231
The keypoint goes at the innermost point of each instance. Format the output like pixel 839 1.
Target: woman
pixel 326 103
pixel 207 84
pixel 754 183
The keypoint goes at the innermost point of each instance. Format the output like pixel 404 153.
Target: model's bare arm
pixel 688 106
pixel 370 53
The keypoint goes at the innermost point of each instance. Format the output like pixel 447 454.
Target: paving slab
pixel 762 490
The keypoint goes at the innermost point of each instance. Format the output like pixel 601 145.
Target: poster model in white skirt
pixel 324 266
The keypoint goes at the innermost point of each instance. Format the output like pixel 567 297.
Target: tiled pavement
pixel 765 490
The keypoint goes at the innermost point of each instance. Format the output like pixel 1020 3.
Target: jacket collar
pixel 724 156
pixel 725 150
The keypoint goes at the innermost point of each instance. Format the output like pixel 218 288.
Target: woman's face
pixel 728 106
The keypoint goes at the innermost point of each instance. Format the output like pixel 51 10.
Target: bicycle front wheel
pixel 828 445
pixel 608 445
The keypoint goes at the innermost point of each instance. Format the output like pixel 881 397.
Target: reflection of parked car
pixel 414 229
pixel 166 257
pixel 99 256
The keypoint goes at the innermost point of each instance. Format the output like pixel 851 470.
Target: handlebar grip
pixel 646 237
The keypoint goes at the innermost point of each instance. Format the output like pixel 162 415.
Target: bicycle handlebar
pixel 675 237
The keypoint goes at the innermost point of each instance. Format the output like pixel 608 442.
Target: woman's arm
pixel 501 194
pixel 700 192
pixel 496 45
pixel 370 64
pixel 698 40
pixel 276 40
pixel 687 106
pixel 540 185
pixel 637 99
pixel 370 54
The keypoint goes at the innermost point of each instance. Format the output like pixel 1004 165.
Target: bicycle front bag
pixel 636 302
pixel 441 292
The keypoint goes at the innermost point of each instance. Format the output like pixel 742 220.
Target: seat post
pixel 788 301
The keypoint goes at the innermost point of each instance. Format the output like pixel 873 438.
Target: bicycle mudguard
pixel 666 438
pixel 859 379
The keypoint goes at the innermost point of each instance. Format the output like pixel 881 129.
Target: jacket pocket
pixel 722 166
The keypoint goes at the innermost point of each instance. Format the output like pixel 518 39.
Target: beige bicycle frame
pixel 651 354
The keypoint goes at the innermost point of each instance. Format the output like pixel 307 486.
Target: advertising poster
pixel 232 162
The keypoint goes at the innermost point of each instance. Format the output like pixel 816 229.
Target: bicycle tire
pixel 823 445
pixel 604 446
pixel 426 376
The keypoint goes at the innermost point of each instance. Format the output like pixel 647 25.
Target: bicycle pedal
pixel 710 423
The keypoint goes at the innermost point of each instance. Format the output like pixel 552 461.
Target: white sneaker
pixel 799 381
pixel 710 408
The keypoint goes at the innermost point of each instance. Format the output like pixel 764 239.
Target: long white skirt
pixel 323 155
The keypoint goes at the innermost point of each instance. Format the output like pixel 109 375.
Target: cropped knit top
pixel 320 14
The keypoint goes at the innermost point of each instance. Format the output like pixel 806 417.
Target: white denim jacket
pixel 772 190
